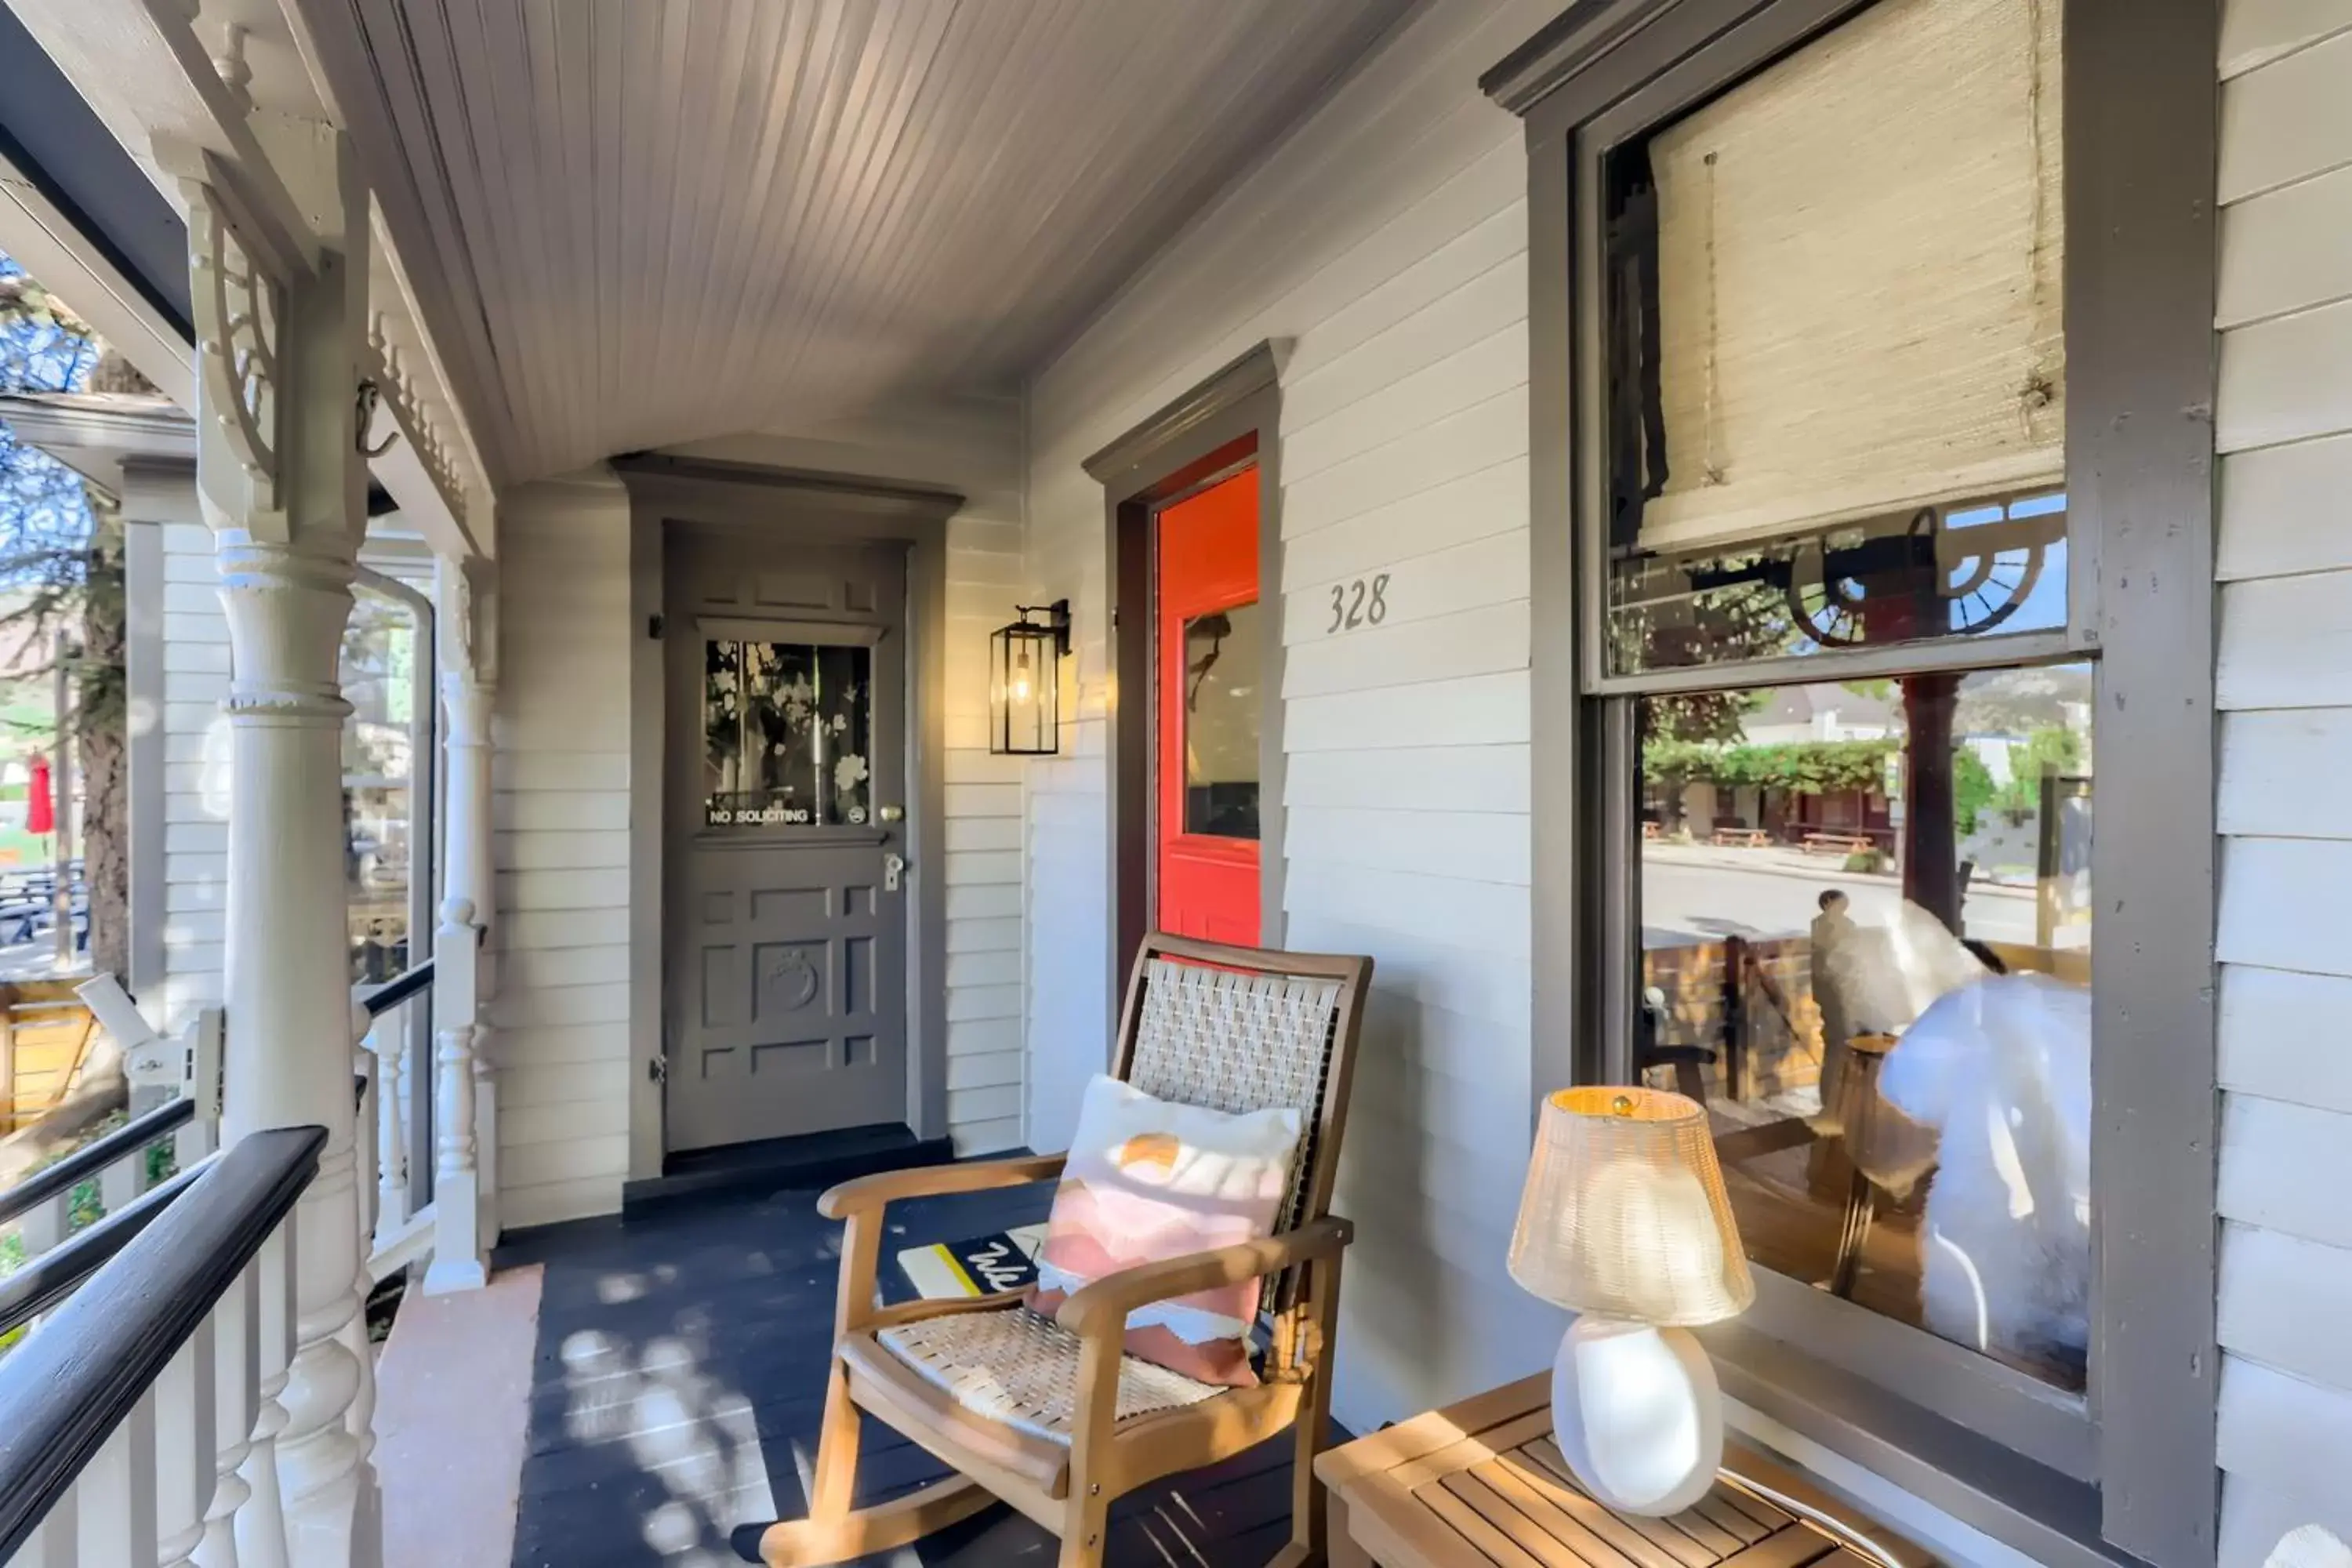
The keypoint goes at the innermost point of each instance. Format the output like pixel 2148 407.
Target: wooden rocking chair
pixel 1048 1414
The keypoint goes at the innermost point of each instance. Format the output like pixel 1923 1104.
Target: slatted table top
pixel 1482 1482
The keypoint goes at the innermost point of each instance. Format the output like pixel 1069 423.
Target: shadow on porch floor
pixel 677 1379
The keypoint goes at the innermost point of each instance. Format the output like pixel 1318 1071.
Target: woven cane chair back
pixel 1240 1029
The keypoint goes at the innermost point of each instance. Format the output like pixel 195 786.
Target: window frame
pixel 2129 1465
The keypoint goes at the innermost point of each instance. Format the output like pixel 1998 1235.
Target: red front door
pixel 1209 696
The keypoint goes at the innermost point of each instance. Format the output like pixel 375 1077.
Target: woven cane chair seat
pixel 1021 1368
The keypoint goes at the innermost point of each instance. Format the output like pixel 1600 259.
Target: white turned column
pixel 284 489
pixel 464 1076
pixel 458 1255
pixel 289 997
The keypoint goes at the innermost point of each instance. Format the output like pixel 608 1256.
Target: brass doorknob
pixel 892 813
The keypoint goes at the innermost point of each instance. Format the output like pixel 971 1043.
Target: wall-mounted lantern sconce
pixel 1024 681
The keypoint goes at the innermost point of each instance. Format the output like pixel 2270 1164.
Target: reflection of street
pixel 35 960
pixel 1697 893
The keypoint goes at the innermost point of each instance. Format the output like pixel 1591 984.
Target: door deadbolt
pixel 892 814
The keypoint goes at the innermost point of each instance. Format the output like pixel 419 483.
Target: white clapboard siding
pixel 1479 711
pixel 1398 286
pixel 2283 679
pixel 2256 32
pixel 560 814
pixel 2257 1514
pixel 2279 378
pixel 196 774
pixel 2283 1036
pixel 1488 640
pixel 2287 508
pixel 2287 122
pixel 1445 582
pixel 1478 506
pixel 2275 767
pixel 2286 642
pixel 2289 1431
pixel 2275 1286
pixel 1458 778
pixel 2289 250
pixel 2287 902
pixel 2284 1166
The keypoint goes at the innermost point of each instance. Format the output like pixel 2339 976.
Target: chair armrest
pixel 863 1194
pixel 1106 1302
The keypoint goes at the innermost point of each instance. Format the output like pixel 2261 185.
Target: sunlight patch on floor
pixel 688 1431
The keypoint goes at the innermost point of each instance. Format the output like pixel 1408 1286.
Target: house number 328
pixel 1353 605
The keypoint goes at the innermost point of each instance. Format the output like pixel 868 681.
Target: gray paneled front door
pixel 786 923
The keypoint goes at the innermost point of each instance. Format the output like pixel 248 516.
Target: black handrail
pixel 88 1160
pixel 64 1391
pixel 55 1274
pixel 383 998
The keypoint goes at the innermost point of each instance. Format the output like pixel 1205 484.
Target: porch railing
pixel 105 1176
pixel 395 1025
pixel 132 1425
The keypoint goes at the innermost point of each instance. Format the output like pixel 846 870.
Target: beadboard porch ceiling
pixel 632 224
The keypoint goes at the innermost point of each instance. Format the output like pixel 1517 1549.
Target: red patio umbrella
pixel 40 811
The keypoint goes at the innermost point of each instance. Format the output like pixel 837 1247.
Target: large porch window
pixel 388 776
pixel 1834 673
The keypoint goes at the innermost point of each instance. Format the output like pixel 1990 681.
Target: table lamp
pixel 1625 1223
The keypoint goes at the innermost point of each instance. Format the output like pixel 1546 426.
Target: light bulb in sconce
pixel 1020 691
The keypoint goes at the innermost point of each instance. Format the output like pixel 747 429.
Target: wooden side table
pixel 1482 1482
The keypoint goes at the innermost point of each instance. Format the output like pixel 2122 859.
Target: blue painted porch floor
pixel 678 1377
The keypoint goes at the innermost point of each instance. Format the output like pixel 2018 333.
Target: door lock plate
pixel 894 866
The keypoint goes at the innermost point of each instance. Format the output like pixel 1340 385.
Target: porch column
pixel 284 490
pixel 466 1145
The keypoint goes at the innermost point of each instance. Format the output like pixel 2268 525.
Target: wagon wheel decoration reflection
pixel 1828 589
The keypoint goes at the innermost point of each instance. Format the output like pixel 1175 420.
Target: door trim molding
pixel 1233 416
pixel 818 508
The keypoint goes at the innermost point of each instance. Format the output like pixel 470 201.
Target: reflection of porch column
pixel 283 490
pixel 464 1195
pixel 1931 871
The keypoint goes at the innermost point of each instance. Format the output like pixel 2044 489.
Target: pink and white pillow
pixel 1150 1179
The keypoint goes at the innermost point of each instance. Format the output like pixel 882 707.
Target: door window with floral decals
pixel 786 728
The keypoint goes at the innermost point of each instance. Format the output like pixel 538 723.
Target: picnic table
pixel 1838 843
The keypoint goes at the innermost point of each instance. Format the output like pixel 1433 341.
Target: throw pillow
pixel 1150 1179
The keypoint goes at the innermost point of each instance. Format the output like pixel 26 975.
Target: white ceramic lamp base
pixel 1637 1414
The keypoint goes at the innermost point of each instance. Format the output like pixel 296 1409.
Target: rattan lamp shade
pixel 1625 1214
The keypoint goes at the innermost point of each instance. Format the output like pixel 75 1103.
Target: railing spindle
pixel 43 1225
pixel 195 1142
pixel 386 1040
pixel 121 1182
pixel 114 1513
pixel 185 1450
pixel 236 1401
pixel 261 1520
pixel 52 1543
pixel 124 1427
